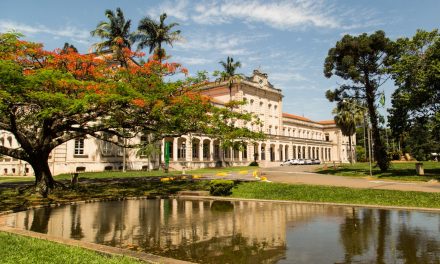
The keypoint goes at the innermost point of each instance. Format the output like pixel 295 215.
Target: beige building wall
pixel 288 137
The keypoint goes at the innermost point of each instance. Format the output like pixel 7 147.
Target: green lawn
pixel 398 171
pixel 16 179
pixel 311 193
pixel 131 174
pixel 19 249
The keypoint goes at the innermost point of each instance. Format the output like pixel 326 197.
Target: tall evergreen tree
pixel 361 60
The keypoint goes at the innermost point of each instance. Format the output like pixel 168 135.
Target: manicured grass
pixel 311 193
pixel 404 171
pixel 131 174
pixel 18 249
pixel 16 179
pixel 13 199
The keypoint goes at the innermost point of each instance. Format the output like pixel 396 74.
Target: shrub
pixel 254 163
pixel 221 187
pixel 395 155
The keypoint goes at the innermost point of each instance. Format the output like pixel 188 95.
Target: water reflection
pixel 246 232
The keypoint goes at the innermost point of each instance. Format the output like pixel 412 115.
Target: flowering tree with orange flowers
pixel 50 97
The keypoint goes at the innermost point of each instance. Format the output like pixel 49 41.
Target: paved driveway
pixel 304 174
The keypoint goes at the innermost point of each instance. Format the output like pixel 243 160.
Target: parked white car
pixel 301 162
pixel 295 161
pixel 286 163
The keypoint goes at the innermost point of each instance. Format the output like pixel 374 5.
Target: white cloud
pixel 192 60
pixel 286 77
pixel 223 43
pixel 279 14
pixel 177 9
pixel 78 35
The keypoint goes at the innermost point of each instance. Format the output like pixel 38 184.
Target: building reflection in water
pixel 245 231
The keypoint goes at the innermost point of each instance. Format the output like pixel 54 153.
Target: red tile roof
pixel 327 122
pixel 324 122
pixel 296 117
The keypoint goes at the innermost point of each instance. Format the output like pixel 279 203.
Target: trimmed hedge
pixel 254 163
pixel 221 187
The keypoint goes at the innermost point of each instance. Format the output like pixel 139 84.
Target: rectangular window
pixel 143 152
pixel 79 146
pixel 244 153
pixel 216 152
pixel 236 154
pixel 195 150
pixel 107 147
pixel 181 153
pixel 205 150
pixel 227 153
pixel 120 150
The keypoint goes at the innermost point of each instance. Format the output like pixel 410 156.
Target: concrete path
pixel 303 174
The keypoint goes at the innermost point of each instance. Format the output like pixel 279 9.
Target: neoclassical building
pixel 288 136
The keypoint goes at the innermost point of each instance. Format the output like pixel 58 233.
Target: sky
pixel 287 39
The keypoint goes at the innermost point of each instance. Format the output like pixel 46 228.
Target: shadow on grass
pixel 91 189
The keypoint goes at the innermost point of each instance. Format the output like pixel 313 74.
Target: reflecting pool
pixel 208 231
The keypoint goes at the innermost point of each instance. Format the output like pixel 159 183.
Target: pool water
pixel 207 231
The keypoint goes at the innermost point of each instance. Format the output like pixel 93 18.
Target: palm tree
pixel 116 34
pixel 228 73
pixel 347 116
pixel 152 34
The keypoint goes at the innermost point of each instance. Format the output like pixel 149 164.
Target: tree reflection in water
pixel 246 231
pixel 41 219
pixel 371 236
pixel 75 227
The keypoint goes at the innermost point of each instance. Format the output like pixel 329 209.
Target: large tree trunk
pixel 44 182
pixel 380 153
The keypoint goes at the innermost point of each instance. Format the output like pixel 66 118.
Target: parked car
pixel 301 162
pixel 308 162
pixel 286 163
pixel 295 161
pixel 316 161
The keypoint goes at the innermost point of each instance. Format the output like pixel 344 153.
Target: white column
pixel 291 152
pixel 162 151
pixel 211 150
pixel 200 149
pixel 175 147
pixel 188 149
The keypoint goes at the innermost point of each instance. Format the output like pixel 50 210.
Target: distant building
pixel 288 136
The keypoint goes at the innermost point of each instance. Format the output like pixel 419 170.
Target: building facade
pixel 288 137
